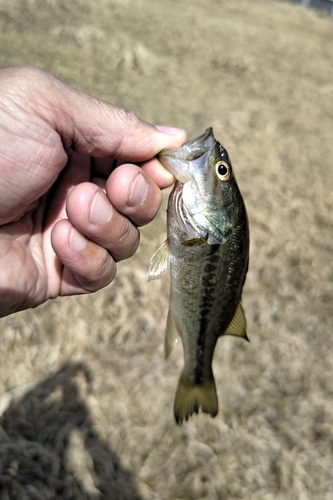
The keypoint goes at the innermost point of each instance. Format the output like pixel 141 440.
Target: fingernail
pixel 139 192
pixel 101 210
pixel 77 241
pixel 170 130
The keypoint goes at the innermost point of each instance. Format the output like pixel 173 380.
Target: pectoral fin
pixel 191 242
pixel 237 325
pixel 159 262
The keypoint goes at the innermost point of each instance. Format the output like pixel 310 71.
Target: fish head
pixel 210 198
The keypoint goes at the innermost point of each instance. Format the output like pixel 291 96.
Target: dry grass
pixel 86 399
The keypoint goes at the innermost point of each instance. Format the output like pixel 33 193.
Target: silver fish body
pixel 207 252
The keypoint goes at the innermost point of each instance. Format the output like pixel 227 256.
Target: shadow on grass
pixel 49 447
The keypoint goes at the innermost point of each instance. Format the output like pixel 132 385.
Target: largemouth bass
pixel 207 253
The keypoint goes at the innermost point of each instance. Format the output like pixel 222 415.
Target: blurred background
pixel 326 5
pixel 85 394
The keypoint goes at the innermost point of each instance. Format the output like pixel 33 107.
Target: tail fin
pixel 189 398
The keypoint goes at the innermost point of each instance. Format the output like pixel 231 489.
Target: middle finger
pixel 91 213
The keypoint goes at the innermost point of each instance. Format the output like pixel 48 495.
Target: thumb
pixel 97 128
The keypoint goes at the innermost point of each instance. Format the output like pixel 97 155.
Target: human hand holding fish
pixel 207 254
pixel 67 215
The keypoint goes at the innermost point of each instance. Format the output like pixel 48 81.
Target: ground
pixel 86 396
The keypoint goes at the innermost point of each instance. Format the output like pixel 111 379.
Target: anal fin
pixel 237 325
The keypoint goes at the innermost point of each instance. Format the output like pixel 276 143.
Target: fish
pixel 207 255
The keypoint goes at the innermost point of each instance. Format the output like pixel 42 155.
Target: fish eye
pixel 223 170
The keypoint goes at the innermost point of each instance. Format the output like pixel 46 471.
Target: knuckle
pixel 127 116
pixel 128 233
pixel 127 243
pixel 99 277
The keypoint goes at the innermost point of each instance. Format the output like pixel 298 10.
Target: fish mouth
pixel 182 162
pixel 193 148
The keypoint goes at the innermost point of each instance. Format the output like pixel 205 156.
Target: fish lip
pixel 193 148
pixel 183 162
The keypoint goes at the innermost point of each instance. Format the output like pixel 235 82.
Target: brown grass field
pixel 85 394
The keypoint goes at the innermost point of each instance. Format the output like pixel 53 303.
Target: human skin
pixel 66 214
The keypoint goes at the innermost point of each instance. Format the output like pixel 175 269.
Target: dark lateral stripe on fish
pixel 209 287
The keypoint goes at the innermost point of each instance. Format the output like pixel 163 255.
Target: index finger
pixel 158 173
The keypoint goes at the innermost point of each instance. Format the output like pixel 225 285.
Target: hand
pixel 64 220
